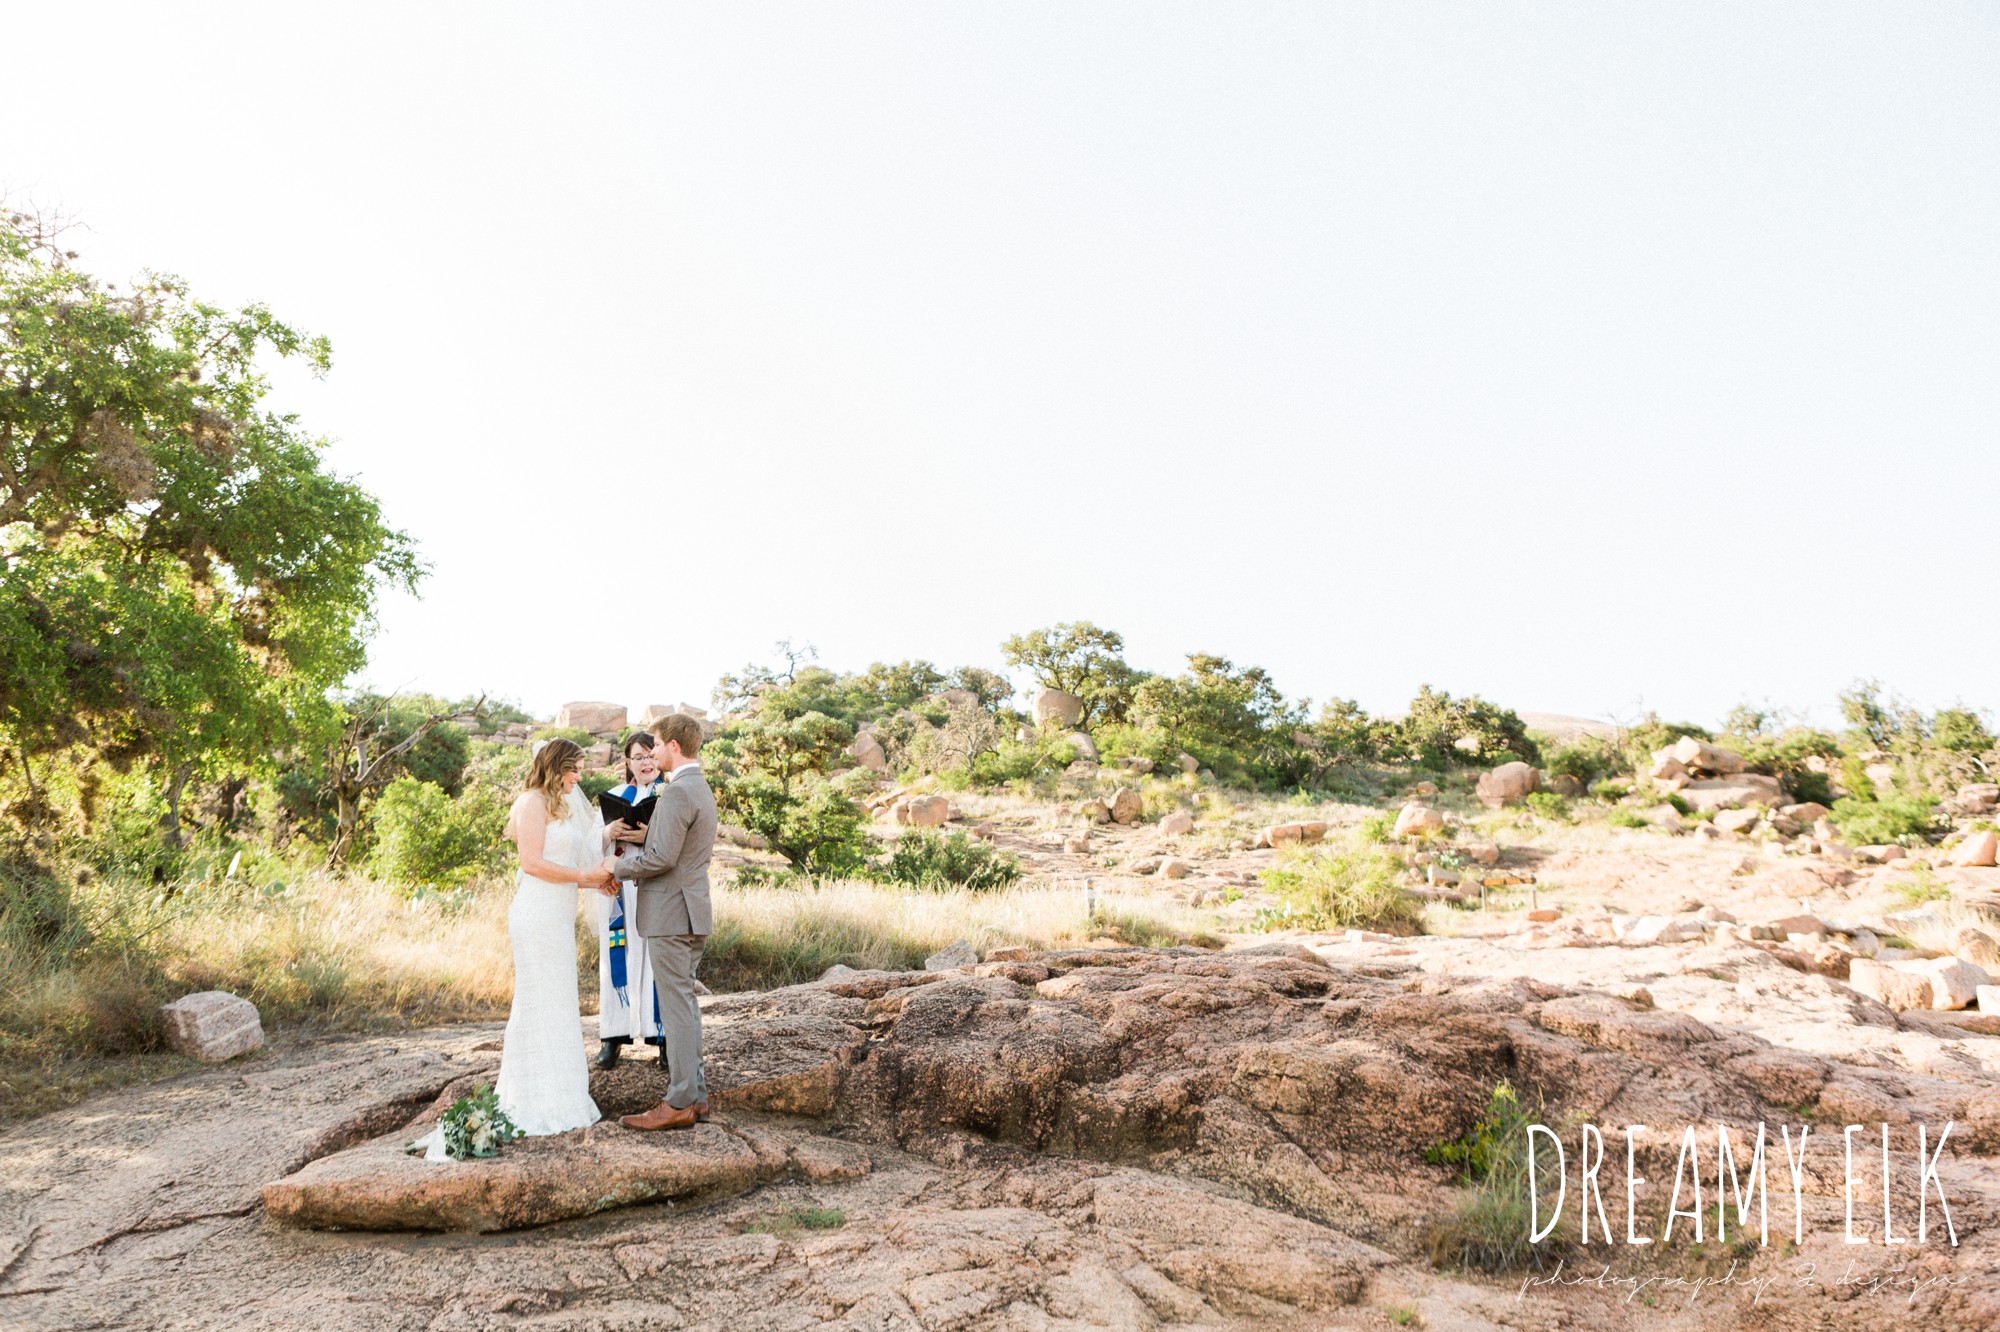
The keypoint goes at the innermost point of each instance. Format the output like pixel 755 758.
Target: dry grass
pixel 79 1015
pixel 768 936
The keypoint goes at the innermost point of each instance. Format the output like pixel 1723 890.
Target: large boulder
pixel 1954 981
pixel 1737 820
pixel 1058 706
pixel 1703 759
pixel 1888 984
pixel 597 718
pixel 533 1181
pixel 1085 747
pixel 1126 805
pixel 1747 788
pixel 1979 948
pixel 1979 848
pixel 958 955
pixel 1508 784
pixel 1177 824
pixel 868 752
pixel 932 811
pixel 1979 797
pixel 212 1025
pixel 1415 820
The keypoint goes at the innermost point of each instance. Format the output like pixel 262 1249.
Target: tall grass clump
pixel 1358 887
pixel 1487 1229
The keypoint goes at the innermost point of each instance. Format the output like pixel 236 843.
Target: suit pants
pixel 674 958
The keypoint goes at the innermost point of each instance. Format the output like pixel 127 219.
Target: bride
pixel 544 1082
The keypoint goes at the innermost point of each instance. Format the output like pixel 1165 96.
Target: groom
pixel 672 916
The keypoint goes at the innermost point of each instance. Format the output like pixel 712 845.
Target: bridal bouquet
pixel 476 1126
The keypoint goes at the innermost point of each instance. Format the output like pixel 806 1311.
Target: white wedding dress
pixel 544 1082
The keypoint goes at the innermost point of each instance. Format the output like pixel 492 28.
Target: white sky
pixel 1588 357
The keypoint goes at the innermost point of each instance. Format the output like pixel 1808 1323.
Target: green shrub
pixel 924 858
pixel 1489 1227
pixel 1377 828
pixel 1014 761
pixel 1548 805
pixel 1788 757
pixel 1627 818
pixel 1440 731
pixel 1681 806
pixel 1336 888
pixel 584 739
pixel 1878 822
pixel 1854 776
pixel 1586 759
pixel 1960 731
pixel 812 824
pixel 1611 789
pixel 1652 734
pixel 424 836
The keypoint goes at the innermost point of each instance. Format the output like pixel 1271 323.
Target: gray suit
pixel 671 914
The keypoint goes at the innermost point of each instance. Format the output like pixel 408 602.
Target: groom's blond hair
pixel 680 729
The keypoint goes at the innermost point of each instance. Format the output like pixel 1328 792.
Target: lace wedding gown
pixel 544 1082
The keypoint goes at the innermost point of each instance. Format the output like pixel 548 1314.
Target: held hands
pixel 624 831
pixel 599 877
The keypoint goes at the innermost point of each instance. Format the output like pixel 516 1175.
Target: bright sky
pixel 1590 357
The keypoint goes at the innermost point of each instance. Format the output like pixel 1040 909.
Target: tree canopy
pixel 181 577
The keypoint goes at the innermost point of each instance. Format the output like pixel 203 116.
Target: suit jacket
pixel 671 869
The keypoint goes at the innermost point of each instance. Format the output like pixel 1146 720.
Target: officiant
pixel 627 1007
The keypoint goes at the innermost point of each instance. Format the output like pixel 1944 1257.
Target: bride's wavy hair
pixel 545 772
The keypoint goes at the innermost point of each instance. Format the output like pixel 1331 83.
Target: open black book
pixel 635 814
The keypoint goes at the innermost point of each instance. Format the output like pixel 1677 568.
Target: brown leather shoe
pixel 701 1112
pixel 661 1116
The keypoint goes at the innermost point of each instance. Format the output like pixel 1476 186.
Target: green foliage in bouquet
pixel 476 1126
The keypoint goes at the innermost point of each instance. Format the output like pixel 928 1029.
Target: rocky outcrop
pixel 596 718
pixel 1111 1137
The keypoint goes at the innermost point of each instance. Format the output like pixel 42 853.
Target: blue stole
pixel 621 983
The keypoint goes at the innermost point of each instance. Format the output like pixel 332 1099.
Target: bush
pixel 1627 818
pixel 1788 758
pixel 1960 730
pixel 1014 761
pixel 424 836
pixel 1879 822
pixel 1443 732
pixel 813 825
pixel 1378 828
pixel 1587 759
pixel 1343 889
pixel 1611 789
pixel 924 858
pixel 1548 804
pixel 1652 734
